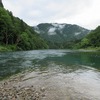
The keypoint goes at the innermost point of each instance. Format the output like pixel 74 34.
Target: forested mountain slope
pixel 15 34
pixel 92 40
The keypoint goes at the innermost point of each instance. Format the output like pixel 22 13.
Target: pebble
pixel 8 91
pixel 42 89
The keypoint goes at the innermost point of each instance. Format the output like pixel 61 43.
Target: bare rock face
pixel 1 4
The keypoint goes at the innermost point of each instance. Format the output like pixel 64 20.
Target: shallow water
pixel 74 75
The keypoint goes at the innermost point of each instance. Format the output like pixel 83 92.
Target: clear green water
pixel 66 74
pixel 14 62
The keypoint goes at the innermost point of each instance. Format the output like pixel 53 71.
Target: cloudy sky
pixel 85 13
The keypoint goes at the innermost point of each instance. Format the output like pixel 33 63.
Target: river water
pixel 66 74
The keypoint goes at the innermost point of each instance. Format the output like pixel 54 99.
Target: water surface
pixel 65 73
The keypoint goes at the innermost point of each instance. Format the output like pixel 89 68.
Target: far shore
pixel 7 49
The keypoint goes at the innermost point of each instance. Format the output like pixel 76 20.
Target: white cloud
pixel 77 33
pixel 52 31
pixel 82 12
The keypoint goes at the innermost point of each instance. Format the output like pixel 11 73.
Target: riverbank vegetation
pixel 91 41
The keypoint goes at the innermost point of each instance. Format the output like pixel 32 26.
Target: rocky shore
pixel 10 90
pixel 50 85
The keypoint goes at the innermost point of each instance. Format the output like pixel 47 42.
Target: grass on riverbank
pixel 7 48
pixel 92 48
pixel 14 48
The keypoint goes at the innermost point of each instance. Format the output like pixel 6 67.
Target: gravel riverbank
pixel 51 85
pixel 11 90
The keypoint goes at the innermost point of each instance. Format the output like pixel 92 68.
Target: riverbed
pixel 52 74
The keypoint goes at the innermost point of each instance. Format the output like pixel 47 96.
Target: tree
pixel 14 31
pixel 84 43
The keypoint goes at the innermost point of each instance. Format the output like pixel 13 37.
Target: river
pixel 64 73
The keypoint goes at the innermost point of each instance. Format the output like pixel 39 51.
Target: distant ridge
pixel 61 35
pixel 61 32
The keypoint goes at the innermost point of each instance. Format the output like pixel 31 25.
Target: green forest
pixel 92 40
pixel 15 34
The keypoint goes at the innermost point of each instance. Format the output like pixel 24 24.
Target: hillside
pixel 92 40
pixel 1 4
pixel 60 35
pixel 15 34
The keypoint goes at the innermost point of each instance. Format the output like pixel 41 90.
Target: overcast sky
pixel 85 13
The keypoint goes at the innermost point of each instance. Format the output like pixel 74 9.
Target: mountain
pixel 92 40
pixel 1 4
pixel 60 34
pixel 15 34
